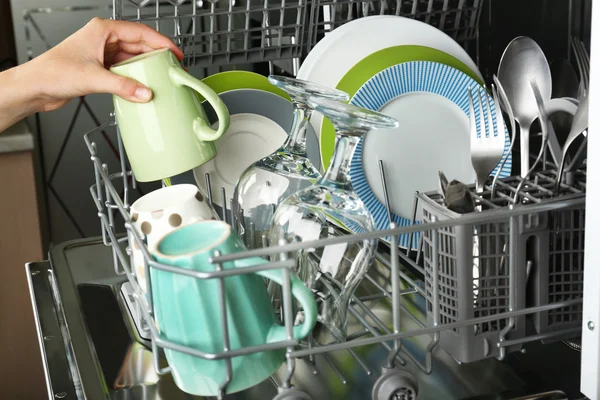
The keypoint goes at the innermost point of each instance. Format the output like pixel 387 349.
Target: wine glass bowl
pixel 329 208
pixel 266 183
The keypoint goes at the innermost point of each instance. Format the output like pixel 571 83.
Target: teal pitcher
pixel 187 310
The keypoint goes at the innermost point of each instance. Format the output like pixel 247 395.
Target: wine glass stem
pixel 296 141
pixel 338 173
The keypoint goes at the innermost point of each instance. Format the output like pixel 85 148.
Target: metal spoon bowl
pixel 522 61
pixel 564 84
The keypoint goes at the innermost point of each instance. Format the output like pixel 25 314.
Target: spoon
pixel 564 84
pixel 502 103
pixel 544 123
pixel 522 61
pixel 580 124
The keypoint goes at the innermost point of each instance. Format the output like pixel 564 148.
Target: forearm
pixel 19 95
pixel 77 67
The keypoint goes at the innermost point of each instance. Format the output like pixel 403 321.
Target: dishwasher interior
pixel 96 336
pixel 92 344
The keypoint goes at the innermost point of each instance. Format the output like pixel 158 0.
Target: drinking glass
pixel 269 181
pixel 331 208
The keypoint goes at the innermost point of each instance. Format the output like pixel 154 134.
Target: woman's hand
pixel 79 66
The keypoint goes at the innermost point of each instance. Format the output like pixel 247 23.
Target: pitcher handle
pixel 201 128
pixel 306 300
pixel 299 291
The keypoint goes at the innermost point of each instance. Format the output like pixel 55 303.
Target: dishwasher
pixel 417 327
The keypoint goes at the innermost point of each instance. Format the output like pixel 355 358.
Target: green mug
pixel 170 134
pixel 187 310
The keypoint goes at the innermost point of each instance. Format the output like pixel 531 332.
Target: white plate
pixel 338 52
pixel 260 103
pixel 249 138
pixel 430 101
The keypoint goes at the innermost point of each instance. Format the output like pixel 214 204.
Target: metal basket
pixel 555 244
pixel 488 327
pixel 213 33
pixel 485 268
pixel 472 284
pixel 234 32
pixel 457 18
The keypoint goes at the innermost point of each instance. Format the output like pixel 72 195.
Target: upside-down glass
pixel 269 181
pixel 332 208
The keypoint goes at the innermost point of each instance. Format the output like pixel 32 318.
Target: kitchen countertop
pixel 16 138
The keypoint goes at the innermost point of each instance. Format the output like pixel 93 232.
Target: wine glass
pixel 269 181
pixel 331 208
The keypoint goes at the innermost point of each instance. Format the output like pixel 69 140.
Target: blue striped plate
pixel 403 79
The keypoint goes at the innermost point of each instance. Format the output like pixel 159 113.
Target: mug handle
pixel 201 128
pixel 299 291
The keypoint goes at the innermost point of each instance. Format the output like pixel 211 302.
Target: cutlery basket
pixel 556 243
pixel 472 313
pixel 480 274
pixel 472 284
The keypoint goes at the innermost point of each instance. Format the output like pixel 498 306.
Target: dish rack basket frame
pixel 234 32
pixel 113 210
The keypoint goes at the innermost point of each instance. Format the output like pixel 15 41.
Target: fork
pixel 582 59
pixel 501 101
pixel 580 125
pixel 487 147
pixel 580 120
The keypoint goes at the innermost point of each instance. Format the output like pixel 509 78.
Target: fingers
pixel 135 48
pixel 137 33
pixel 106 82
pixel 121 56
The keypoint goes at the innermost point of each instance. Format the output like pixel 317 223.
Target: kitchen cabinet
pixel 21 372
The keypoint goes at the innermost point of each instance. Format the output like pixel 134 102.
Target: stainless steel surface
pixel 579 158
pixel 583 65
pixel 458 19
pixel 548 133
pixel 580 124
pixel 502 103
pixel 523 60
pixel 113 203
pixel 564 84
pixel 225 33
pixel 130 383
pixel 113 364
pixel 547 137
pixel 62 381
pixel 241 32
pixel 86 280
pixel 487 148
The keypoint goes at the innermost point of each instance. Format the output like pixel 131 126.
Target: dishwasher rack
pixel 237 32
pixel 113 210
pixel 229 32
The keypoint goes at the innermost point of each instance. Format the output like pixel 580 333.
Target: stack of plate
pixel 261 117
pixel 417 74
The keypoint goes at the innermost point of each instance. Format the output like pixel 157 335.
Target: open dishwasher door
pixel 96 345
pixel 92 348
pixel 590 354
